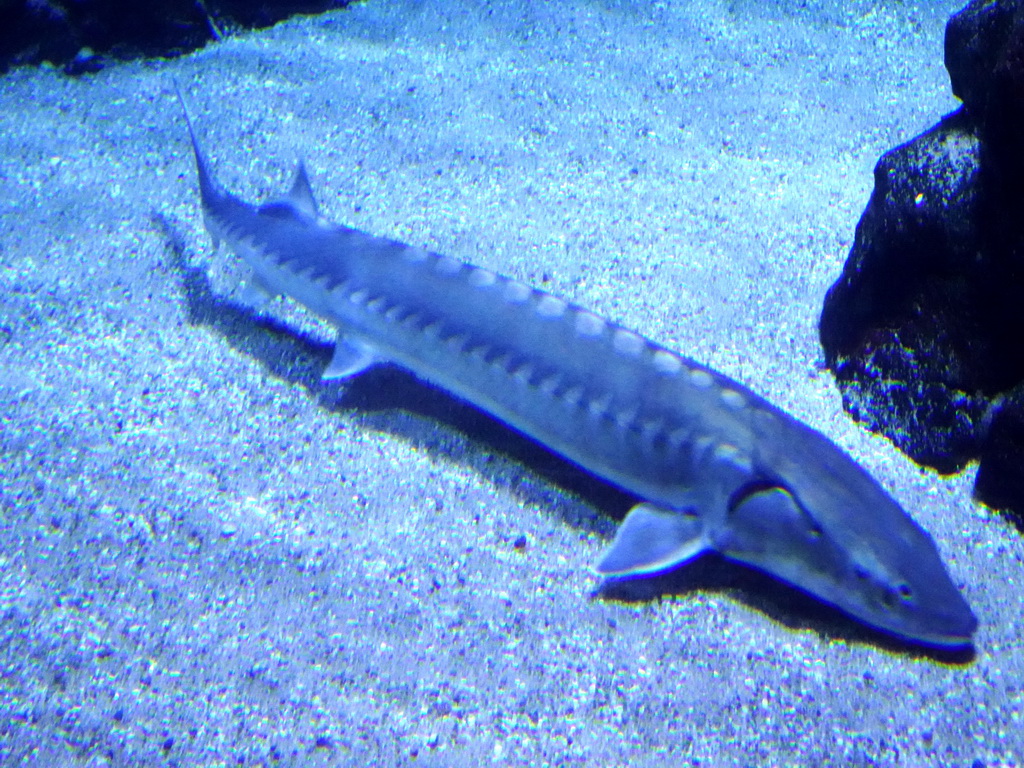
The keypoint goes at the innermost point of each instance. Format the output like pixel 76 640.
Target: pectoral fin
pixel 653 539
pixel 351 357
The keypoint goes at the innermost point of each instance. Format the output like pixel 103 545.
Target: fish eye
pixel 902 593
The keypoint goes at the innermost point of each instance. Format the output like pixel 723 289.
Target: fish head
pixel 822 523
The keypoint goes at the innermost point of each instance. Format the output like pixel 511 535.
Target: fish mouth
pixel 954 633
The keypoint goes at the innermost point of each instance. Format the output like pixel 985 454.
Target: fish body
pixel 716 466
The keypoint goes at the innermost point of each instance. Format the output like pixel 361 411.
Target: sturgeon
pixel 715 467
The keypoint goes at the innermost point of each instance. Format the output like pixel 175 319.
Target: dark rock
pixel 983 53
pixel 1000 481
pixel 84 62
pixel 34 31
pixel 923 330
pixel 985 61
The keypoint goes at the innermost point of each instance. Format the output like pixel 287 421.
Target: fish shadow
pixel 781 602
pixel 379 398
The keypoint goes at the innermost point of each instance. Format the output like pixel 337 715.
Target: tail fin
pixel 208 187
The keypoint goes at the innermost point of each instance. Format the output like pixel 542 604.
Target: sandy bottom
pixel 207 557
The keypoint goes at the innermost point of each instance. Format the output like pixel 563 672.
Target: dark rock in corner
pixel 57 31
pixel 923 330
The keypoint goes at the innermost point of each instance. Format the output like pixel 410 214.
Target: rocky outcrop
pixel 81 35
pixel 924 329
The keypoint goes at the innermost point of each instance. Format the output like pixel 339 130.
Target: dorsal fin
pixel 299 200
pixel 301 193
